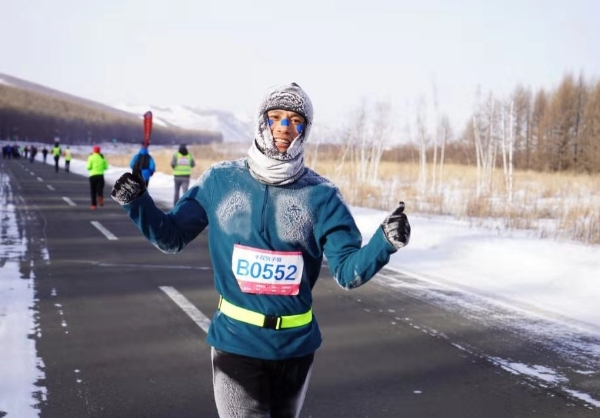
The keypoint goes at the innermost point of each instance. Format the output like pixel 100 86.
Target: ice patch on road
pixel 20 366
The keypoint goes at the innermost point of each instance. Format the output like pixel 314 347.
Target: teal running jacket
pixel 308 217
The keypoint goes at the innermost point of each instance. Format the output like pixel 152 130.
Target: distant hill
pixel 173 124
pixel 235 127
pixel 18 83
pixel 31 112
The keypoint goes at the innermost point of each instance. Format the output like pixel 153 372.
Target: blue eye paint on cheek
pixel 270 122
pixel 285 122
pixel 300 128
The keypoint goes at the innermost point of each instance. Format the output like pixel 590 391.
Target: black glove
pixel 128 188
pixel 396 227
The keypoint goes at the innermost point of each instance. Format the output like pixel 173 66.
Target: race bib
pixel 267 272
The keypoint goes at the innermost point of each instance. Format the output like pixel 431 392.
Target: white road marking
pixel 105 231
pixel 50 187
pixel 40 179
pixel 153 266
pixel 69 201
pixel 198 317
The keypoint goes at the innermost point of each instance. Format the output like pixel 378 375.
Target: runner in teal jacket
pixel 272 220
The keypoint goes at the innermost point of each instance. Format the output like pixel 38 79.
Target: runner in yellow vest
pixel 182 164
pixel 67 155
pixel 56 151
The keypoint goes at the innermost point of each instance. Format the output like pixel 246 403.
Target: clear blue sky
pixel 226 53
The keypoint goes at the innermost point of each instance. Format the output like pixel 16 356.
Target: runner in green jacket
pixel 96 166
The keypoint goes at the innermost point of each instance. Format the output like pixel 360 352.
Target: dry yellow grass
pixel 559 205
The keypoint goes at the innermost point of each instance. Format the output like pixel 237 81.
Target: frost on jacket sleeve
pixel 170 232
pixel 350 263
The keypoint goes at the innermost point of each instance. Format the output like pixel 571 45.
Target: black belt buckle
pixel 272 322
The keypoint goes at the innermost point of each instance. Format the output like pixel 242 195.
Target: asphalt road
pixel 114 343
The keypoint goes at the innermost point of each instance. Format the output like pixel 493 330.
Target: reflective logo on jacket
pixel 183 166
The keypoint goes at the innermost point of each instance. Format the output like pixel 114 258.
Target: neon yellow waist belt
pixel 264 321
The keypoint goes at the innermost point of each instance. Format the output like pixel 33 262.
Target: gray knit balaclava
pixel 266 163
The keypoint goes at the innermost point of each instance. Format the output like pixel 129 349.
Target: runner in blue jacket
pixel 272 219
pixel 143 162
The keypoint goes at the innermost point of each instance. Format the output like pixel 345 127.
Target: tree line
pixel 30 116
pixel 549 130
pixel 543 130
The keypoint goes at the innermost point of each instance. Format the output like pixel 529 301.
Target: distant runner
pixel 56 152
pixel 143 162
pixel 68 157
pixel 96 166
pixel 182 164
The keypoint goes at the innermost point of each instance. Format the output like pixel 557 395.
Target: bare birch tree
pixel 367 136
pixel 380 136
pixel 486 144
pixel 422 141
pixel 435 138
pixel 508 141
pixel 354 131
pixel 445 130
